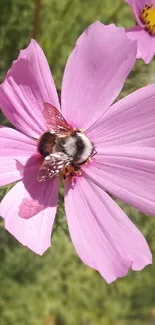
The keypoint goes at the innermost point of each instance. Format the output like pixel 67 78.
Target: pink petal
pixel 15 150
pixel 129 122
pixel 27 85
pixel 125 139
pixel 94 74
pixel 145 43
pixel 103 236
pixel 138 6
pixel 41 199
pixel 128 173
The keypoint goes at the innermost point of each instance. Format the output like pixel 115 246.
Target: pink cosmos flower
pixel 144 32
pixel 123 135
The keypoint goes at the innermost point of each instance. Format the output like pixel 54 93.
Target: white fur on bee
pixel 88 147
pixel 70 146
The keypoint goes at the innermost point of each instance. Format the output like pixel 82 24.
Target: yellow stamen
pixel 147 17
pixel 70 172
pixel 81 130
pixel 79 172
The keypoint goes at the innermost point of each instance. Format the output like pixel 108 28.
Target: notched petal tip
pixel 97 24
pixel 37 250
pixel 27 85
pixel 20 55
pixel 106 239
pixel 94 76
pixel 131 267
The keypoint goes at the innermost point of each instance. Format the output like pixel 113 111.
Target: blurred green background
pixel 57 289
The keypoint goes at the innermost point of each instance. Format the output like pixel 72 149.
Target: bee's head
pixel 46 143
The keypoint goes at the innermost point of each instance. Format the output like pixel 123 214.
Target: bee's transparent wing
pixel 55 120
pixel 52 165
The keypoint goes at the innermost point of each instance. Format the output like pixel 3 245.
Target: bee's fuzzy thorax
pixel 70 146
pixel 84 148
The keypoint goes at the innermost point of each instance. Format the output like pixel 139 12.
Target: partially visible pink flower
pixel 144 32
pixel 124 138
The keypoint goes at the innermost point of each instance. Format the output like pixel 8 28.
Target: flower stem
pixel 36 19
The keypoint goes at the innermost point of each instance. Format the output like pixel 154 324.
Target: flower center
pixel 147 16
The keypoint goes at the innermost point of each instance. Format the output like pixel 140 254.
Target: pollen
pixel 70 172
pixel 147 16
pixel 89 160
pixel 79 130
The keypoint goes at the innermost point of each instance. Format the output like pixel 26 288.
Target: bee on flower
pixel 94 146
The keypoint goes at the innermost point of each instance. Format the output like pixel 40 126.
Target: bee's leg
pixel 93 153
